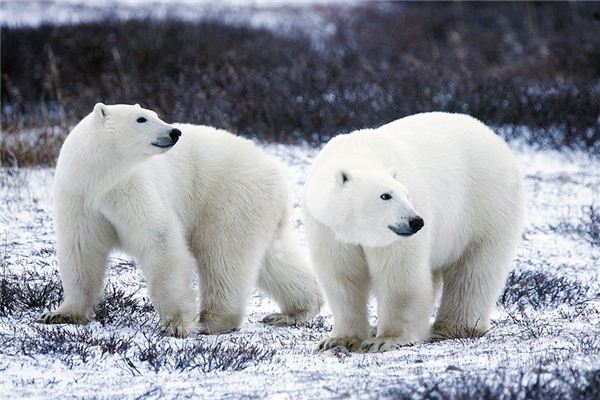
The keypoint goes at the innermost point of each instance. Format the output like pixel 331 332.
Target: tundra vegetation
pixel 531 70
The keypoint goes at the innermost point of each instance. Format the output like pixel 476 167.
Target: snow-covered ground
pixel 545 339
pixel 545 342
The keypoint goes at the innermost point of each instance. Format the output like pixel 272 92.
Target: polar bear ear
pixel 342 176
pixel 100 111
pixel 138 105
pixel 393 172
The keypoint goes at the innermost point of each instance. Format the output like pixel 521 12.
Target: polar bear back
pixel 209 171
pixel 471 173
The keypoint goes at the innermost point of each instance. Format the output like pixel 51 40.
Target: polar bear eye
pixel 141 120
pixel 385 196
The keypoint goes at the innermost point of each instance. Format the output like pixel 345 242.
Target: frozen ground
pixel 545 342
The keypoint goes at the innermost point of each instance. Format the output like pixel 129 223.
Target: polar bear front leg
pixel 82 247
pixel 346 285
pixel 228 270
pixel 169 279
pixel 155 237
pixel 168 265
pixel 405 300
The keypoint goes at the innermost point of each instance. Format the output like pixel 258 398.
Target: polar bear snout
pixel 166 142
pixel 408 229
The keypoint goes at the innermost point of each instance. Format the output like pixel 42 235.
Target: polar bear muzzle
pixel 414 225
pixel 165 142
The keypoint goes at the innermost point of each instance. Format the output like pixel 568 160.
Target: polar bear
pixel 213 201
pixel 428 201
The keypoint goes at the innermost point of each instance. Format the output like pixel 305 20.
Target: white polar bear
pixel 214 201
pixel 428 200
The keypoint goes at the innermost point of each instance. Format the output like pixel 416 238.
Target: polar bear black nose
pixel 175 134
pixel 416 223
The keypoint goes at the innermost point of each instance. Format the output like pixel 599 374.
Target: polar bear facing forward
pixel 426 203
pixel 213 201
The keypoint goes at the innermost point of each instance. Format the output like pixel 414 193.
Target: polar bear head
pixel 132 132
pixel 365 207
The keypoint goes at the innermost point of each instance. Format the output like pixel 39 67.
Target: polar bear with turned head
pixel 429 203
pixel 179 198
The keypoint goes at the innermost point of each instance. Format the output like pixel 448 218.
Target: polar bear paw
pixel 351 344
pixel 213 323
pixel 59 317
pixel 279 319
pixel 443 331
pixel 215 329
pixel 379 345
pixel 177 327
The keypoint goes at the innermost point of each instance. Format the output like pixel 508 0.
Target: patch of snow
pixel 280 16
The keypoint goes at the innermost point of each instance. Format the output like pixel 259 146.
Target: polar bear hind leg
pixel 287 279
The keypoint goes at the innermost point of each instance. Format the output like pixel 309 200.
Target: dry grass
pixel 521 64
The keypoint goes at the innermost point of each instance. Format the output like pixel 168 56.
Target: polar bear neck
pixel 82 163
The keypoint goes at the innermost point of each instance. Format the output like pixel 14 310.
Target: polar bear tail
pixel 288 279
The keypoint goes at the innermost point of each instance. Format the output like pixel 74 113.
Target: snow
pixel 525 345
pixel 277 15
pixel 529 342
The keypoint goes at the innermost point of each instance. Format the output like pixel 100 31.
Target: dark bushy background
pixel 533 65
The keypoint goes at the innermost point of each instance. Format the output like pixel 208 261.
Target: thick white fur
pixel 456 174
pixel 214 202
